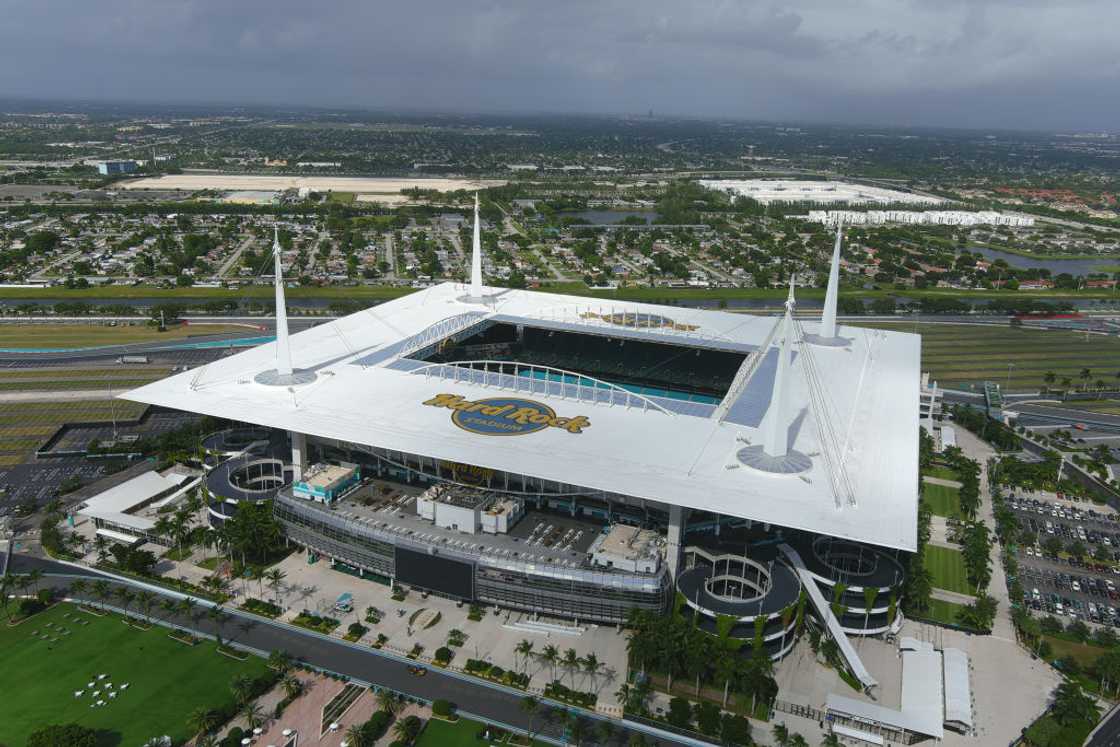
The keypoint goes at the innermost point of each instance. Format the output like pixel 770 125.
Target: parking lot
pixel 1088 588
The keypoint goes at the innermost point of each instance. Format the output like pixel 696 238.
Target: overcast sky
pixel 1035 64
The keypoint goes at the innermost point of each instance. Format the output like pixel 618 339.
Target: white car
pixel 1076 586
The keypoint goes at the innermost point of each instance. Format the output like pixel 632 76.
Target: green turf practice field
pixel 24 426
pixel 959 356
pixel 946 567
pixel 166 679
pixel 942 500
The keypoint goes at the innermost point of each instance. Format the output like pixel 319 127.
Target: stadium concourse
pixel 579 459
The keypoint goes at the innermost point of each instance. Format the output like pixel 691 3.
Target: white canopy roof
pixel 958 688
pixel 364 394
pixel 115 503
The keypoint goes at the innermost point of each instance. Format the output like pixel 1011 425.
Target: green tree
pixel 63 735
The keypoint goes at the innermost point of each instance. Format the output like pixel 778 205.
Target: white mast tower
pixel 283 374
pixel 826 336
pixel 774 454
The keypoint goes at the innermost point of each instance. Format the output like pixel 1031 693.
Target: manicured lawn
pixel 946 568
pixel 167 680
pixel 942 611
pixel 943 472
pixel 942 500
pixel 462 733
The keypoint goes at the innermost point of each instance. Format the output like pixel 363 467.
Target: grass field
pixel 942 500
pixel 1084 653
pixel 943 612
pixel 167 680
pixel 462 733
pixel 942 472
pixel 25 425
pixel 946 567
pixel 959 356
pixel 89 335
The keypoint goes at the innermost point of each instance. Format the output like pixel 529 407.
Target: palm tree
pixel 78 588
pixel 145 600
pixel 797 740
pixel 124 596
pixel 831 740
pixel 1084 376
pixel 164 527
pixel 524 649
pixel 869 594
pixel 406 729
pixel 253 714
pixel 275 576
pixel 241 685
pixel 357 736
pixel 591 667
pixel 293 686
pixel 781 735
pixel 1049 377
pixel 219 617
pixel 202 721
pixel 530 706
pixel 101 545
pixel 388 701
pixel 186 607
pixel 577 728
pixel 571 663
pixel 101 590
pixel 280 660
pixel 33 578
pixel 549 656
pixel 168 606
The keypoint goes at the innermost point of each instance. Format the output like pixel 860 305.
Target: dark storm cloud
pixel 946 62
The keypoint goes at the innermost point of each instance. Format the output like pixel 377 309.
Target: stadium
pixel 581 459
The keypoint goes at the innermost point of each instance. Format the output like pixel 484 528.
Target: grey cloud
pixel 956 62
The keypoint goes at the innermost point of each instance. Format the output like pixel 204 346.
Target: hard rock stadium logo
pixel 505 416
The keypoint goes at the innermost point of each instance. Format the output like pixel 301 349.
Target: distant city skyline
pixel 987 64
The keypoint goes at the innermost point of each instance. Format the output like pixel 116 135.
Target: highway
pixel 485 700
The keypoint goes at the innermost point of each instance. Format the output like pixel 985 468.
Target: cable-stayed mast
pixel 827 336
pixel 283 374
pixel 774 454
pixel 476 254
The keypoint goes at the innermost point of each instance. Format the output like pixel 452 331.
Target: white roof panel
pixel 870 390
pixel 114 503
pixel 958 688
pixel 921 691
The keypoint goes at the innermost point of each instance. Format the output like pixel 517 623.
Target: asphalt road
pixel 387 670
pixel 1107 733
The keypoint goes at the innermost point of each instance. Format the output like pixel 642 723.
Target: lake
pixel 1055 266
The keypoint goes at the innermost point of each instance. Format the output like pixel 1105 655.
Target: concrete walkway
pixel 976 449
pixel 952 596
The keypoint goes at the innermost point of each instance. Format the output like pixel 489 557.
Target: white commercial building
pixel 767 191
pixel 919 217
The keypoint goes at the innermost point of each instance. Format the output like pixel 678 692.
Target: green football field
pixel 942 500
pixel 946 567
pixel 166 679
